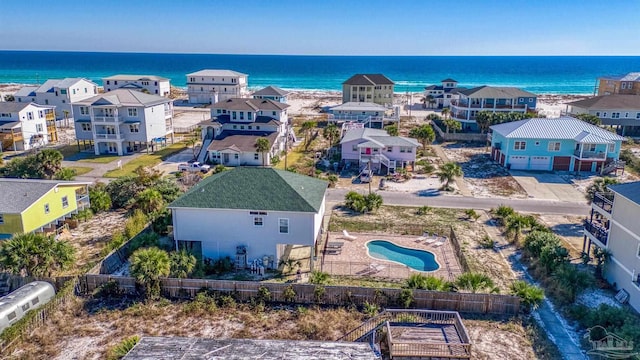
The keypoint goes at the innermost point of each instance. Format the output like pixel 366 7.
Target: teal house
pixel 562 144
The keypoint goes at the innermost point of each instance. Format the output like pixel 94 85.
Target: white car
pixel 194 167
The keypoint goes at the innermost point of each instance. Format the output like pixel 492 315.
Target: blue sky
pixel 331 27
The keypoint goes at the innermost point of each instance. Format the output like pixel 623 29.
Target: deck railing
pixel 597 231
pixel 604 201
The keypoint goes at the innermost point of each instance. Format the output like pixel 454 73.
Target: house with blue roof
pixel 59 93
pixel 559 144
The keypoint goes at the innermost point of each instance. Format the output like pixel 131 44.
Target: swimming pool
pixel 420 260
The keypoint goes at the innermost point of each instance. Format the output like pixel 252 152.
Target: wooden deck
pixel 427 340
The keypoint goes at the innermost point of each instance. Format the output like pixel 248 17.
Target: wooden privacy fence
pixel 455 245
pixel 368 269
pixel 318 294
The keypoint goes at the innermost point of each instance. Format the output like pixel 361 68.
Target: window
pixel 84 110
pixel 235 127
pixel 25 307
pixel 283 225
pixel 108 82
pixel 235 156
pixel 520 145
pixel 390 149
pixel 354 148
pixel 30 115
pixel 554 146
pixel 623 85
pixel 403 149
pixel 65 202
pixel 604 114
pixel 35 301
pixel 521 100
pixel 234 115
pixel 256 156
pixel 638 115
pixel 63 91
pixel 589 147
pixel 615 115
pixel 38 127
pixel 86 127
pixel 241 127
pixel 241 115
pixel 134 128
pixel 598 113
pixel 537 143
pixel 11 316
pixel 46 208
pixel 133 112
pixel 611 148
pixel 257 221
pixel 250 127
pixel 1 219
pixel 250 115
pixel 257 127
pixel 626 115
pixel 530 99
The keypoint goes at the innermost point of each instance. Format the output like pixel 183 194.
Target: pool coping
pixel 435 256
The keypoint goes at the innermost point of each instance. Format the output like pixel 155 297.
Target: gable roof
pixel 26 91
pixel 249 104
pixel 16 195
pixel 359 106
pixel 216 72
pixel 378 136
pixel 609 102
pixel 498 92
pixel 59 83
pixel 567 127
pixel 241 141
pixel 368 79
pixel 448 80
pixel 629 190
pixel 271 91
pixel 125 77
pixel 632 76
pixel 256 188
pixel 12 106
pixel 124 97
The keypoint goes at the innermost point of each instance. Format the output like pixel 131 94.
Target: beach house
pixel 60 93
pixel 211 86
pixel 236 124
pixel 628 84
pixel 371 88
pixel 149 84
pixel 441 95
pixel 489 98
pixel 123 121
pixel 271 93
pixel 24 126
pixel 38 205
pixel 385 153
pixel 613 225
pixel 369 114
pixel 564 144
pixel 618 110
pixel 250 213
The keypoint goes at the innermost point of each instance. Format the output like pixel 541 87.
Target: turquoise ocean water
pixel 538 74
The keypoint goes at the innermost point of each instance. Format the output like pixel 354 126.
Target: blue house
pixel 564 144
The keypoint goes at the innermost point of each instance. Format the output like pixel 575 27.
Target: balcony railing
pixel 106 119
pixel 107 136
pixel 488 106
pixel 604 201
pixel 599 155
pixel 597 231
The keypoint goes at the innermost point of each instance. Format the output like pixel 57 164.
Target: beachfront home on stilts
pixel 210 86
pixel 25 126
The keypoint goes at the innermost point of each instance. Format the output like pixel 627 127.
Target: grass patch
pixel 99 159
pixel 68 151
pixel 147 160
pixel 293 157
pixel 80 170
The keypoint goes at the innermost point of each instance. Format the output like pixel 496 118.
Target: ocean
pixel 538 74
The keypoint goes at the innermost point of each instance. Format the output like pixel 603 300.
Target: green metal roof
pixel 256 188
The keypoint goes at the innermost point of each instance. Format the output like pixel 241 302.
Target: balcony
pixel 604 201
pixel 596 231
pixel 106 119
pixel 50 115
pixel 590 155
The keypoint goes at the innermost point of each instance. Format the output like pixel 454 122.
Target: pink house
pixel 385 152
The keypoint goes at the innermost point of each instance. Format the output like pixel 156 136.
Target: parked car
pixel 194 167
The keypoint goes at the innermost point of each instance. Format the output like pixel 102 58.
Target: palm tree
pixel 66 117
pixel 392 130
pixel 599 185
pixel 424 133
pixel 49 162
pixel 451 124
pixel 150 201
pixel 447 173
pixel 148 265
pixel 262 146
pixel 307 128
pixel 475 282
pixel 192 144
pixel 34 254
pixel 428 282
pixel 182 264
pixel 516 224
pixel 331 133
pixel 445 113
pixel 530 296
pixel 484 120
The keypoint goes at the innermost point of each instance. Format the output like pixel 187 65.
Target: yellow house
pixel 39 205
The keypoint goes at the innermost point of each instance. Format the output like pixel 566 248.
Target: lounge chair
pixel 438 244
pixel 346 235
pixel 375 268
pixel 431 240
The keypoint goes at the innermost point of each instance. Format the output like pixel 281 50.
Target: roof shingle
pixel 558 128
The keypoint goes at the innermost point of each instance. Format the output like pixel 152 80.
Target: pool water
pixel 420 260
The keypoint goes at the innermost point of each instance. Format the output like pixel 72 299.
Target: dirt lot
pixel 482 176
pixel 87 329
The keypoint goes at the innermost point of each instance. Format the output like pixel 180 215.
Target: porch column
pixel 96 147
pixel 584 243
pixel 119 147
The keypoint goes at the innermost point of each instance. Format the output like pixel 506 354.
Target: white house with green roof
pixel 249 213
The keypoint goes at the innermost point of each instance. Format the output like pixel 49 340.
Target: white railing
pixel 108 119
pixel 107 136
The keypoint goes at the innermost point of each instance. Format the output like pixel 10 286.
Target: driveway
pixel 547 186
pixel 171 164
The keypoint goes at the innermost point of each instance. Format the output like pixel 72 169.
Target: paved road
pixel 467 202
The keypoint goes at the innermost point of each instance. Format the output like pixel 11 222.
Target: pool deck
pixel 353 258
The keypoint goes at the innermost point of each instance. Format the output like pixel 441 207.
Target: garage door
pixel 519 162
pixel 540 163
pixel 561 163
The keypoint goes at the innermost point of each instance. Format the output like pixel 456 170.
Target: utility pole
pixel 370 175
pixel 286 141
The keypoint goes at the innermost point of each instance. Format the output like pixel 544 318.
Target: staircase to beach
pixel 203 151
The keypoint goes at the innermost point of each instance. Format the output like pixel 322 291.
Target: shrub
pixel 427 282
pixel 571 282
pixel 424 210
pixel 405 298
pixel 289 294
pixel 182 264
pixel 553 255
pixel 264 295
pixel 108 290
pixel 487 242
pixel 319 278
pixel 148 266
pixel 145 240
pixel 361 203
pixel 117 239
pixel 475 282
pixel 318 293
pixel 121 349
pixel 502 213
pixel 536 240
pixel 472 214
pixel 370 309
pixel 135 224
